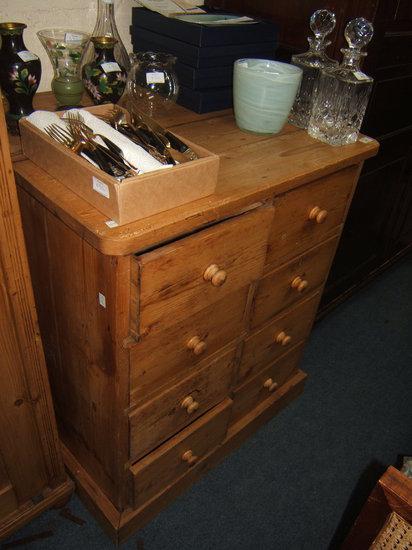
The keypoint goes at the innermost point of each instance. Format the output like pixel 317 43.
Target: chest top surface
pixel 253 168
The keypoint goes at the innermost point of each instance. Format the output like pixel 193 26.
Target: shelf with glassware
pixel 121 161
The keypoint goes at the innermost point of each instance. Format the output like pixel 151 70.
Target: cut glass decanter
pixel 322 23
pixel 343 92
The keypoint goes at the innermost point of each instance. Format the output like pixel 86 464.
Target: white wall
pixel 75 14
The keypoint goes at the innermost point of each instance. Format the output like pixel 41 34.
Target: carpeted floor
pixel 300 481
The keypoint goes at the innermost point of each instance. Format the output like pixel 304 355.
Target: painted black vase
pixel 103 78
pixel 20 71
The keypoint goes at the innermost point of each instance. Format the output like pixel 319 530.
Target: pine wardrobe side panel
pixel 83 323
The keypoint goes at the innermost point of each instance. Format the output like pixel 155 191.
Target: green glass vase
pixel 65 49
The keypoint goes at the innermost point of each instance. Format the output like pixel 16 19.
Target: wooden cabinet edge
pixel 26 513
pixel 55 498
pixel 113 241
pixel 119 526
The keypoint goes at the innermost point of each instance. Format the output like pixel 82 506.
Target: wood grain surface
pixel 252 169
pixel 153 474
pixel 145 325
pixel 172 277
pixel 164 415
pixel 275 291
pixel 30 456
pixel 159 358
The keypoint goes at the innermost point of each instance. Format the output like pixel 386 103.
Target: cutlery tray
pixel 133 198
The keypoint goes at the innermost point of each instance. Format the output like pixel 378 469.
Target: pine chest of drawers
pixel 170 340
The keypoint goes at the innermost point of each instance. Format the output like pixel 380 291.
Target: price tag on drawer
pixel 155 78
pixel 110 67
pixel 101 187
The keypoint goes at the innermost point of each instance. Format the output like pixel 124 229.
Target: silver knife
pixel 175 142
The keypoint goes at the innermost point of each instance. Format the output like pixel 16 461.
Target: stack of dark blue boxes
pixel 205 53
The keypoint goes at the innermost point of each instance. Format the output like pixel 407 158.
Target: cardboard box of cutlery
pixel 132 198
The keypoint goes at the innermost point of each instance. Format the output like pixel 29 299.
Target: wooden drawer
pixel 297 226
pixel 188 275
pixel 291 282
pixel 174 458
pixel 275 338
pixel 178 406
pixel 173 352
pixel 265 384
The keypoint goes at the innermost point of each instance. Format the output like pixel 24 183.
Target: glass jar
pixel 152 83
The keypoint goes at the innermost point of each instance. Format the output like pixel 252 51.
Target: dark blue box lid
pixel 209 77
pixel 204 35
pixel 210 56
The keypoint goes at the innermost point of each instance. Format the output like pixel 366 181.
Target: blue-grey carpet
pixel 300 481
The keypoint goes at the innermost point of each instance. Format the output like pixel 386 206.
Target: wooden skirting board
pixel 119 526
pixel 16 520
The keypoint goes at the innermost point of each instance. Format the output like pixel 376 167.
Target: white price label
pixel 101 187
pixel 72 37
pixel 365 139
pixel 110 67
pixel 102 299
pixel 111 224
pixel 27 56
pixel 155 78
pixel 360 76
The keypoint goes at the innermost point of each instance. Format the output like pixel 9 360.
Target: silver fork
pixel 83 147
pixel 81 130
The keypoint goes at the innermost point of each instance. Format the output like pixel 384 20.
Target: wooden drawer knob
pixel 197 345
pixel 189 404
pixel 318 215
pixel 270 385
pixel 189 457
pixel 282 338
pixel 299 284
pixel 215 275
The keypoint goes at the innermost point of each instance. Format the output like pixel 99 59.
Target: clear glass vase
pixel 343 92
pixel 65 48
pixel 152 85
pixel 106 26
pixel 322 23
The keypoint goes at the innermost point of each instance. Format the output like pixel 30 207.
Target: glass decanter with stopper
pixel 343 92
pixel 322 23
pixel 106 26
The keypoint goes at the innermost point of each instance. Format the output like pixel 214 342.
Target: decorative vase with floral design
pixel 20 71
pixel 65 48
pixel 103 78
